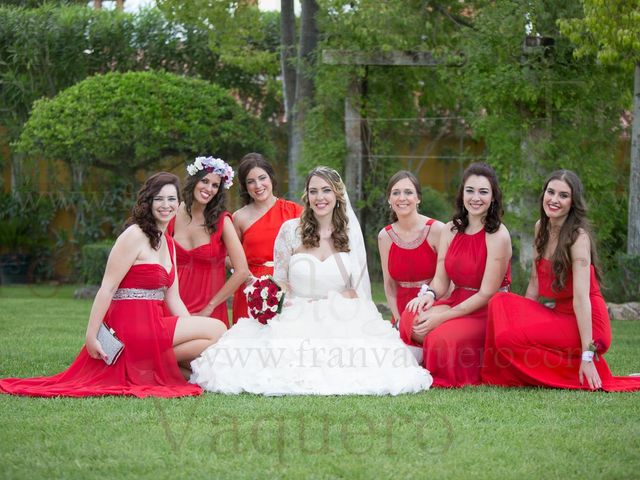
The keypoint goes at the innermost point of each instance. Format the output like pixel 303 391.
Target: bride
pixel 329 339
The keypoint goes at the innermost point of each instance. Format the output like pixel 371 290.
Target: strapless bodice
pixel 311 277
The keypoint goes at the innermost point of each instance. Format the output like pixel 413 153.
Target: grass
pixel 477 432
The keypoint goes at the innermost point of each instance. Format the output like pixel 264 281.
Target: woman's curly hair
pixel 248 163
pixel 493 218
pixel 216 206
pixel 308 223
pixel 141 213
pixel 575 223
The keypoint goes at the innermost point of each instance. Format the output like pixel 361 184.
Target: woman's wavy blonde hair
pixel 309 224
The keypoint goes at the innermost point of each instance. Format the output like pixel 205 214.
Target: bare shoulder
pixel 241 214
pixel 447 230
pixel 536 229
pixel 499 238
pixel 382 234
pixel 132 233
pixel 437 227
pixel 227 223
pixel 582 240
pixel 131 239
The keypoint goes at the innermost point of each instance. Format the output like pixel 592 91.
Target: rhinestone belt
pixel 139 294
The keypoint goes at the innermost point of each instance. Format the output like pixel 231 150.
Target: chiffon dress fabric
pixel 147 365
pixel 202 271
pixel 531 344
pixel 257 242
pixel 453 351
pixel 322 343
pixel 410 264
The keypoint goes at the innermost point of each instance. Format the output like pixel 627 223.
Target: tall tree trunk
pixel 17 176
pixel 288 69
pixel 304 89
pixel 288 55
pixel 526 205
pixel 633 230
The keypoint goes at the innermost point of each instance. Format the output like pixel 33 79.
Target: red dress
pixel 147 365
pixel 202 271
pixel 531 344
pixel 452 352
pixel 410 264
pixel 257 241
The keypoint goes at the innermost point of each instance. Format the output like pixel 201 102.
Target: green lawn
pixel 467 433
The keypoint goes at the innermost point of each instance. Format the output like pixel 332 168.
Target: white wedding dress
pixel 321 344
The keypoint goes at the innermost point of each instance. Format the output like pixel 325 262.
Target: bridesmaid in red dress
pixel 408 246
pixel 474 253
pixel 530 344
pixel 259 220
pixel 204 235
pixel 139 279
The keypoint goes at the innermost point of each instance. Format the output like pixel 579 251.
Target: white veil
pixel 357 255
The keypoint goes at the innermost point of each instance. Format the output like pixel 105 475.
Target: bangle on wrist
pixel 587 356
pixel 424 289
pixel 593 349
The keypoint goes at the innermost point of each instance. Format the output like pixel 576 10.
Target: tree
pixel 45 50
pixel 125 122
pixel 610 30
pixel 236 35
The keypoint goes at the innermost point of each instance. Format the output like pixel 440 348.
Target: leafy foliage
pixel 124 122
pixel 538 109
pixel 610 30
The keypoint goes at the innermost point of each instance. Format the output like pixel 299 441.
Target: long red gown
pixel 147 365
pixel 531 344
pixel 202 271
pixel 257 241
pixel 410 264
pixel 453 351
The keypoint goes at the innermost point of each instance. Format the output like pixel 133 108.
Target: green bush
pixel 622 279
pixel 94 260
pixel 436 205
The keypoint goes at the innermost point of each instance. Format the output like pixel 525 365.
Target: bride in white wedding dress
pixel 329 339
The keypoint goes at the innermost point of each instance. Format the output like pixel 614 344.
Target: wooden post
pixel 97 4
pixel 353 134
pixel 633 233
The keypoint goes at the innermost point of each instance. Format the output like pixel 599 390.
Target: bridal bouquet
pixel 264 298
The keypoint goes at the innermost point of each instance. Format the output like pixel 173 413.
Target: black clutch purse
pixel 111 344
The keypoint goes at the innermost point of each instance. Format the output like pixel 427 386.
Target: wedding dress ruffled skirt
pixel 330 346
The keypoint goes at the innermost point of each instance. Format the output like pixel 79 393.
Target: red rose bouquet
pixel 264 298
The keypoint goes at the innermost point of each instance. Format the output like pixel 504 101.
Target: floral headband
pixel 213 165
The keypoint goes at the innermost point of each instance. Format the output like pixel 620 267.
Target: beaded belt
pixel 417 284
pixel 139 294
pixel 506 288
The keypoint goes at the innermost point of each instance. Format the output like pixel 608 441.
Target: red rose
pixel 272 301
pixel 273 289
pixel 255 302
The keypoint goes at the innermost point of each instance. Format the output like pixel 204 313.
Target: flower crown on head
pixel 213 165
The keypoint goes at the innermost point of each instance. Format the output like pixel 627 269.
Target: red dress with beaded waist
pixel 453 351
pixel 147 365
